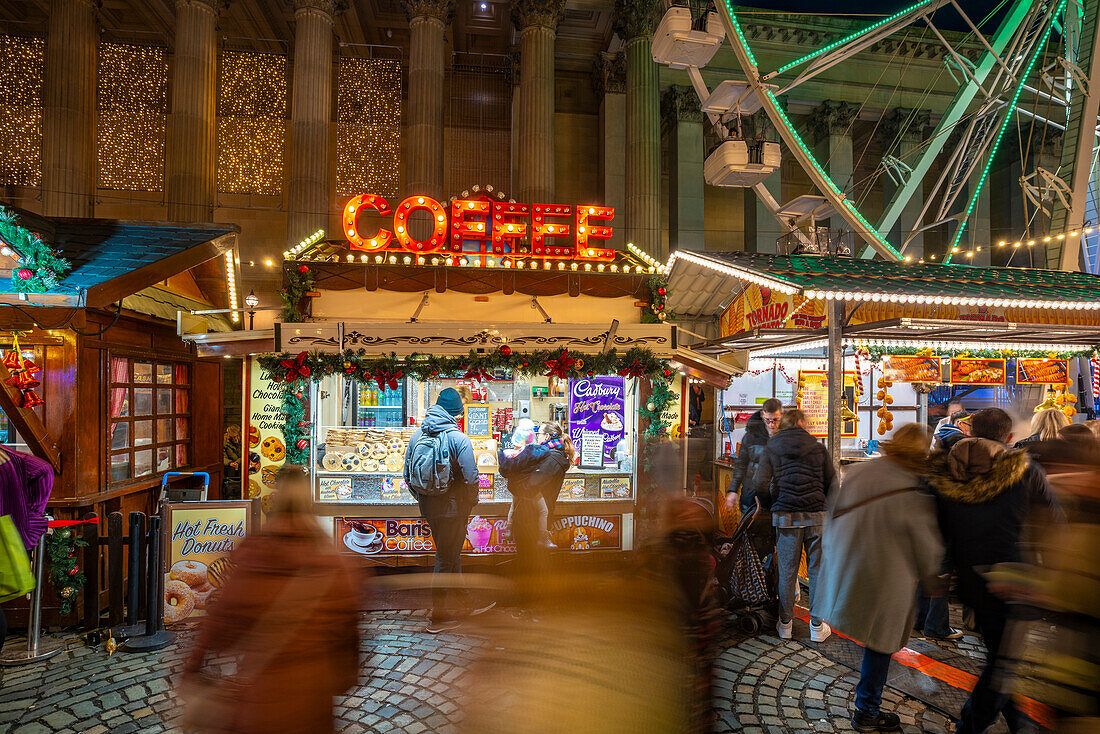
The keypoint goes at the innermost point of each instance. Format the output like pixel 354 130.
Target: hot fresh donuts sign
pixel 200 538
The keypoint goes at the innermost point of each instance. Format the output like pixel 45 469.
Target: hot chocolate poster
pixel 597 404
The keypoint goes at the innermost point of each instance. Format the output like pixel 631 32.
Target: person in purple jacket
pixel 25 485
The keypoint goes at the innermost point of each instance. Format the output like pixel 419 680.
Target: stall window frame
pixel 156 442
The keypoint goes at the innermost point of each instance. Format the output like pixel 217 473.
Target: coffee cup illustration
pixel 363 538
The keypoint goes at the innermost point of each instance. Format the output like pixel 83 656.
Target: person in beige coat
pixel 881 538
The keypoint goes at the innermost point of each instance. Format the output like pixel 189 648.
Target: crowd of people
pixel 882 544
pixel 961 503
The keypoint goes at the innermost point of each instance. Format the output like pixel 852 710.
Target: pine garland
pixel 39 269
pixel 657 311
pixel 657 408
pixel 65 575
pixel 299 281
pixel 295 427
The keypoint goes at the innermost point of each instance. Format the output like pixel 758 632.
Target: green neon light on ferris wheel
pixel 1000 133
pixel 805 148
pixel 852 37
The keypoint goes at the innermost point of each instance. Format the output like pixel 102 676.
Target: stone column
pixel 189 189
pixel 901 133
pixel 428 19
pixel 537 22
pixel 680 109
pixel 309 199
pixel 831 123
pixel 68 141
pixel 609 84
pixel 762 228
pixel 634 22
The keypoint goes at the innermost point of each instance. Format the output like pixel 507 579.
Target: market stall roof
pixel 935 333
pixel 112 259
pixel 703 283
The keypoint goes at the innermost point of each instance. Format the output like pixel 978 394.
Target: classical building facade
pixel 272 113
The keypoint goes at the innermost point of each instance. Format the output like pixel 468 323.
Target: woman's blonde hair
pixel 553 430
pixel 1094 426
pixel 909 446
pixel 292 492
pixel 1047 423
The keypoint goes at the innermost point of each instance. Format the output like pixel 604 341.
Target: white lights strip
pixel 1047 238
pixel 746 275
pixel 789 348
pixel 231 284
pixel 952 300
pixel 963 345
pixel 654 266
pixel 313 238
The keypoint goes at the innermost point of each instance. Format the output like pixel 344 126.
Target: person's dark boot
pixel 882 722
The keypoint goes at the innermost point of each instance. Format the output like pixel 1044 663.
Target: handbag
pixel 209 702
pixel 16 579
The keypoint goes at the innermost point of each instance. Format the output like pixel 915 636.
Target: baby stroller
pixel 748 580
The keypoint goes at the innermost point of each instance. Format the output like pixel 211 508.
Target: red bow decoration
pixel 634 369
pixel 385 377
pixel 560 367
pixel 477 373
pixel 31 399
pixel 296 369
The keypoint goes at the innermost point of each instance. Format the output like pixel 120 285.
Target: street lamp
pixel 252 302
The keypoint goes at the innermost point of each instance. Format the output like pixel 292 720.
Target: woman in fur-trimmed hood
pixel 985 492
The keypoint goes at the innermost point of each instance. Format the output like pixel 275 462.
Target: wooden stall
pixel 125 398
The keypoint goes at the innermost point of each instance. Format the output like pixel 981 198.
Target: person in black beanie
pixel 446 492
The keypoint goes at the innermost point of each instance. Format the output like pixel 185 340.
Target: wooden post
pixel 90 563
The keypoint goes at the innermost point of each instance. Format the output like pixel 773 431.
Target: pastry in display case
pixel 364 450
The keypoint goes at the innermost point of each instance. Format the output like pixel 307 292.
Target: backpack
pixel 429 464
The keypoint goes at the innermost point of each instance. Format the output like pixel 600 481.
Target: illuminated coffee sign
pixel 554 231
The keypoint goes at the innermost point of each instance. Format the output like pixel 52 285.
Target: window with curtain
pixel 150 417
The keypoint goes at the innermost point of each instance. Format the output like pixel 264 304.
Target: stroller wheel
pixel 750 623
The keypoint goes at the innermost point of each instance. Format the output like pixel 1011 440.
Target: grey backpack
pixel 429 464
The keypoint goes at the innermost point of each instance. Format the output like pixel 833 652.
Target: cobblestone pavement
pixel 410 681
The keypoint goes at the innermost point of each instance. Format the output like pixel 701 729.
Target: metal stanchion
pixel 155 636
pixel 36 649
pixel 133 628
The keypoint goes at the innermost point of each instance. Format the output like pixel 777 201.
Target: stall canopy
pixel 114 259
pixel 779 302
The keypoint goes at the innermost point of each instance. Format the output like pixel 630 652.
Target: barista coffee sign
pixel 596 411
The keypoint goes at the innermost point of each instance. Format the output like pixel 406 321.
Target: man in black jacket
pixel 761 426
pixel 795 476
pixel 985 492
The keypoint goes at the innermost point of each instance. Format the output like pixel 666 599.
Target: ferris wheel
pixel 1030 67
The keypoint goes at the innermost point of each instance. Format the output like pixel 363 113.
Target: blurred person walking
pixel 984 493
pixel 881 537
pixel 289 611
pixel 441 473
pixel 762 425
pixel 797 475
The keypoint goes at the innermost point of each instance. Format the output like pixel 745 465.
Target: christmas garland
pixel 65 575
pixel 658 294
pixel 39 269
pixel 295 371
pixel 656 411
pixel 299 281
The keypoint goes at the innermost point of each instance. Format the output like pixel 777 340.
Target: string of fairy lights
pixel 132 106
pixel 368 126
pixel 251 123
pixel 22 61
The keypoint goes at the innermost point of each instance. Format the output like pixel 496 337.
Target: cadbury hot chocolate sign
pixel 597 407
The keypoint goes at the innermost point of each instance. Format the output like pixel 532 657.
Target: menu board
pixel 1042 371
pixel 906 368
pixel 266 448
pixel 479 420
pixel 199 536
pixel 592 450
pixel 813 400
pixel 975 371
pixel 596 406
